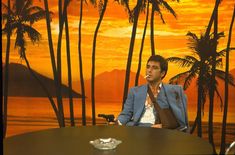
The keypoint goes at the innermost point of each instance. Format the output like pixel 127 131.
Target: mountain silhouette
pixel 22 83
pixel 109 85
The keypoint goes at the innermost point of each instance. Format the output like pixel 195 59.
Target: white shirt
pixel 149 114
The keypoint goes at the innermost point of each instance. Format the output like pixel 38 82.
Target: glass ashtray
pixel 105 143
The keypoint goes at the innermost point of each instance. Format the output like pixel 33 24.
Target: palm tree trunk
pixel 131 48
pixel 212 81
pixel 194 125
pixel 141 48
pixel 59 83
pixel 212 18
pixel 53 63
pixel 199 100
pixel 69 70
pixel 6 75
pixel 93 62
pixel 80 67
pixel 42 86
pixel 152 32
pixel 223 133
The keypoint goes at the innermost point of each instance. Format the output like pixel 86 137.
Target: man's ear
pixel 163 73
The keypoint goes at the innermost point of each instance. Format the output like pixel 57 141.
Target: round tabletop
pixel 135 140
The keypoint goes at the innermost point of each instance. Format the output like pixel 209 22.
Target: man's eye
pixel 156 68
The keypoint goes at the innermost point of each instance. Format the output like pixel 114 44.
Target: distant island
pixel 22 83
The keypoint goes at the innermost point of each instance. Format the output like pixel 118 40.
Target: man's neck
pixel 154 85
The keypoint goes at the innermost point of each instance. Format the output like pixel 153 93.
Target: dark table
pixel 135 141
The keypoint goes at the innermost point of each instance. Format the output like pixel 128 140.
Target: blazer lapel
pixel 161 98
pixel 140 101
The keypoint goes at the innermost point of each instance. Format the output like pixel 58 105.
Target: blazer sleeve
pixel 127 113
pixel 178 103
pixel 184 104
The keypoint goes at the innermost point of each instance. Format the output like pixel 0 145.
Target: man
pixel 139 109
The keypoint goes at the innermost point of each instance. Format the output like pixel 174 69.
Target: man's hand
pixel 112 123
pixel 157 126
pixel 115 122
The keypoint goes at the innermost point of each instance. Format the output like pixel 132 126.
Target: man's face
pixel 153 70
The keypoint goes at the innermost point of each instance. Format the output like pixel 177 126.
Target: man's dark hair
pixel 162 61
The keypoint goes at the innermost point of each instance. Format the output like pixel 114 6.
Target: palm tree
pixel 5 83
pixel 102 7
pixel 134 16
pixel 23 15
pixel 53 62
pixel 223 133
pixel 80 66
pixel 141 47
pixel 200 66
pixel 156 8
pixel 214 18
pixel 62 17
pixel 69 70
pixel 212 80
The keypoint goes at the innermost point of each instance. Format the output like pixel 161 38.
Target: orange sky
pixel 115 32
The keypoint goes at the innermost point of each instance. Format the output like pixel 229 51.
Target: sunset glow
pixel 115 32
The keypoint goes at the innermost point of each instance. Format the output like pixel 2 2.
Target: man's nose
pixel 149 70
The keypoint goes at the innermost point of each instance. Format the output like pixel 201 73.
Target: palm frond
pixel 33 9
pixel 33 34
pixel 155 5
pixel 221 74
pixel 93 2
pixel 218 62
pixel 180 61
pixel 4 18
pixel 143 6
pixel 177 78
pixel 189 78
pixel 35 17
pixel 5 9
pixel 191 58
pixel 168 8
pixel 19 5
pixel 192 35
pixel 223 51
pixel 20 42
pixel 100 6
pixel 192 40
pixel 161 16
pixel 126 5
pixel 204 94
pixel 220 98
pixel 4 31
pixel 11 27
pixel 26 6
pixel 219 35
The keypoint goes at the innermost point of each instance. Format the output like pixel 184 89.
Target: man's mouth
pixel 147 76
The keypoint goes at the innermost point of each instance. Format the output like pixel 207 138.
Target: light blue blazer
pixel 135 103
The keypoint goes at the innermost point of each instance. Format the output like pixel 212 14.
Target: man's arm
pixel 184 106
pixel 127 112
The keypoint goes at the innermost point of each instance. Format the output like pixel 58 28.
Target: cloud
pixel 120 32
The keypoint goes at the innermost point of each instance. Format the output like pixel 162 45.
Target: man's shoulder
pixel 172 86
pixel 140 87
